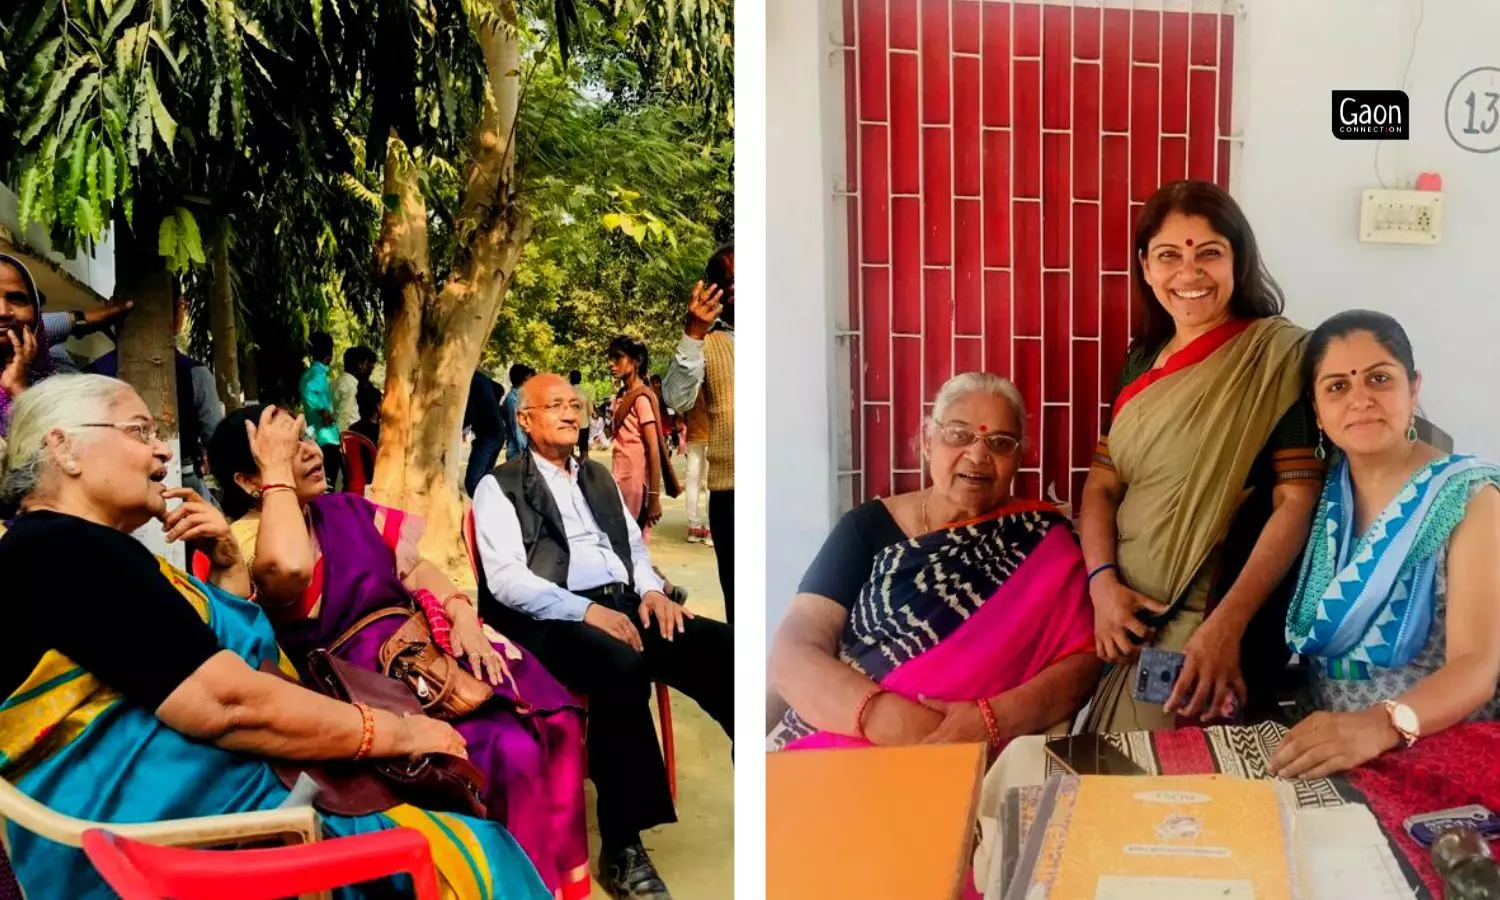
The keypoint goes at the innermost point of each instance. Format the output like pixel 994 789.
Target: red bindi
pixel 1189 242
pixel 983 429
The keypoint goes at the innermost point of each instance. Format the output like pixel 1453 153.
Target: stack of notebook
pixel 1146 838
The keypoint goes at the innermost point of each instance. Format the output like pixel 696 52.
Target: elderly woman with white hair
pixel 133 691
pixel 951 614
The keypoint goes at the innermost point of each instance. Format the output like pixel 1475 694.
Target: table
pixel 1323 809
pixel 892 822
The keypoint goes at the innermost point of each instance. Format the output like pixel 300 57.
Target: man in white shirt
pixel 346 388
pixel 565 574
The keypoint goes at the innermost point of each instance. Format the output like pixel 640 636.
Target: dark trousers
pixel 333 464
pixel 721 524
pixel 625 760
pixel 482 455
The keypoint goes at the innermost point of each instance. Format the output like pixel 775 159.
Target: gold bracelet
pixel 367 730
pixel 467 599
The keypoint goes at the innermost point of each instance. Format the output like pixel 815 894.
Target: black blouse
pixel 848 555
pixel 99 598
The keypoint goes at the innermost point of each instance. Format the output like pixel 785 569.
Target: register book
pixel 1158 838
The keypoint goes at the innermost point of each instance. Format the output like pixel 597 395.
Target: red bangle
pixel 991 727
pixel 277 486
pixel 859 710
pixel 367 730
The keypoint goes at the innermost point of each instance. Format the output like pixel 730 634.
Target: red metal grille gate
pixel 998 154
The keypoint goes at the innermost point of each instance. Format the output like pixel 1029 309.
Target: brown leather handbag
pixel 434 781
pixel 445 688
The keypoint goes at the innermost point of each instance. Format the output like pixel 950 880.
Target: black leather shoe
pixel 629 875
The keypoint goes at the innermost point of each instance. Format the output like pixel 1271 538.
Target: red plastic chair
pixel 139 871
pixel 663 696
pixel 355 446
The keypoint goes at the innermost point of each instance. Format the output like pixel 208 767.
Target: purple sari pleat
pixel 528 741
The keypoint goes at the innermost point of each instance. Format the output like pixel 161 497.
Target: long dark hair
pixel 1256 294
pixel 229 455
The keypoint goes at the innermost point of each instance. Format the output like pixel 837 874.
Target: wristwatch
pixel 1404 720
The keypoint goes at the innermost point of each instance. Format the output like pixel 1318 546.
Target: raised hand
pixel 200 525
pixel 275 442
pixel 703 309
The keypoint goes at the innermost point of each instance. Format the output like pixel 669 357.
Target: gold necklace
pixel 926 527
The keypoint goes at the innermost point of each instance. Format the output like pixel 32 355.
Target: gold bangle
pixel 367 730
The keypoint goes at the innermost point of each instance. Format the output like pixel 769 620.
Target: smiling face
pixel 1365 401
pixel 973 476
pixel 17 307
pixel 1190 268
pixel 119 469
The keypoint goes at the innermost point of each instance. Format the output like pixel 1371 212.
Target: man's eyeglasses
pixel 557 406
pixel 998 444
pixel 145 432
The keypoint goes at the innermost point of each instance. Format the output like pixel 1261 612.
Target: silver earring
pixel 1411 432
pixel 1320 454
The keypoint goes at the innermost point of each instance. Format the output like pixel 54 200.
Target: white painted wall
pixel 805 283
pixel 96 270
pixel 1301 187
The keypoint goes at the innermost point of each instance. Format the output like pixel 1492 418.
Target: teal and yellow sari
pixel 71 743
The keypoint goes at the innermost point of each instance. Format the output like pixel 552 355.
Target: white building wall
pixel 1301 187
pixel 806 286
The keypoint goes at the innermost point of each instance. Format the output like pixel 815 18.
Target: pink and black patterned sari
pixel 964 613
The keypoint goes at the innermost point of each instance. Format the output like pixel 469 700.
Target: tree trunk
pixel 221 324
pixel 147 349
pixel 436 334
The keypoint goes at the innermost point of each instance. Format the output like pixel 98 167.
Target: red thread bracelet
pixel 859 710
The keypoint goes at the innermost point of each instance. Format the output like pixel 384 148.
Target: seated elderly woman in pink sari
pixel 322 563
pixel 950 614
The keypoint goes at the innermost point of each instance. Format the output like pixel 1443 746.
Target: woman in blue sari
pixel 134 695
pixel 1395 606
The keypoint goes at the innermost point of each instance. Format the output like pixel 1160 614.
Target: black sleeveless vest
pixel 542 531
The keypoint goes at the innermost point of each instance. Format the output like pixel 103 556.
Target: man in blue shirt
pixel 317 405
pixel 516 441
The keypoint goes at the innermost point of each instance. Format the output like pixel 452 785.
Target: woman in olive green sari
pixel 1201 493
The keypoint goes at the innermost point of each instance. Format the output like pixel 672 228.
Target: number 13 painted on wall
pixel 1492 113
pixel 1473 110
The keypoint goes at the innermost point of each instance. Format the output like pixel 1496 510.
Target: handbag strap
pixel 375 616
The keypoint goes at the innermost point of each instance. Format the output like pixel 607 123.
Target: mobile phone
pixel 1090 754
pixel 1156 673
pixel 1425 828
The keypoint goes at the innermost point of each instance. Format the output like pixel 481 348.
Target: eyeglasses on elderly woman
pixel 144 431
pixel 954 434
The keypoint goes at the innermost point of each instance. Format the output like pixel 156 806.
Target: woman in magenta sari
pixel 950 614
pixel 322 562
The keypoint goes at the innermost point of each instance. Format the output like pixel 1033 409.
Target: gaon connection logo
pixel 1371 115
